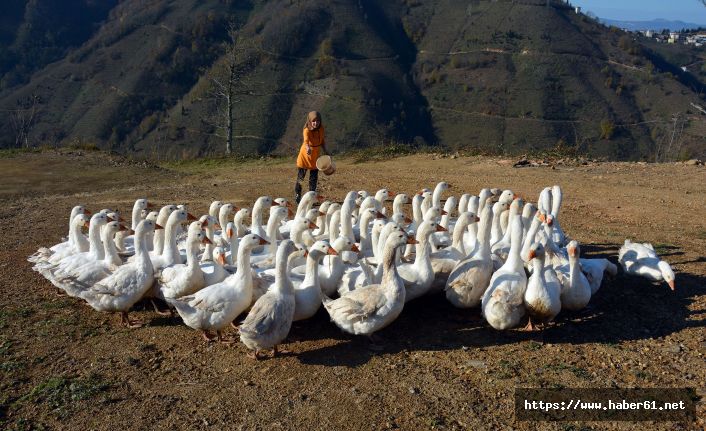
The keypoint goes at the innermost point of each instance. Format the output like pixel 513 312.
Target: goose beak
pixel 86 224
pixel 122 228
pixel 532 254
pixel 131 232
pixel 550 221
pixel 110 219
pixel 380 215
pixel 263 241
pixel 515 196
pixel 443 212
pixel 440 228
pixel 306 253
pixel 320 198
pixel 190 217
pixel 87 212
pixel 216 226
pixel 150 205
pixel 411 240
pixel 121 219
pixel 221 259
pixel 332 251
pixel 420 193
pixel 671 284
pixel 229 233
pixel 407 219
pixel 477 219
pixel 204 223
pixel 313 226
pixel 205 240
pixel 355 248
pixel 156 226
pixel 391 194
pixel 321 213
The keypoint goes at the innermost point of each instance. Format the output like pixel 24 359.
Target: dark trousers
pixel 313 178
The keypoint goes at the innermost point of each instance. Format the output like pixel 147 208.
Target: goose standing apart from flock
pixel 641 259
pixel 484 263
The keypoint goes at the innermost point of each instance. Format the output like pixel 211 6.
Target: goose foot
pixel 221 339
pixel 254 355
pixel 276 352
pixel 206 336
pixel 530 327
pixel 132 324
pixel 169 312
pixel 234 325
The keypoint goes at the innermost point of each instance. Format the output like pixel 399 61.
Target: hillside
pixel 496 77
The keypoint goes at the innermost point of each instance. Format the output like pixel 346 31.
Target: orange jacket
pixel 314 140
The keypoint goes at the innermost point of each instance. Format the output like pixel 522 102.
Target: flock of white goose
pixel 502 254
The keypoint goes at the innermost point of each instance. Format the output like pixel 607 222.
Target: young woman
pixel 313 144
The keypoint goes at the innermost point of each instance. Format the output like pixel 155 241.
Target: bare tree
pixel 226 85
pixel 23 119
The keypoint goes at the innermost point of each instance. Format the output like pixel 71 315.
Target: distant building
pixel 578 9
pixel 673 37
pixel 648 33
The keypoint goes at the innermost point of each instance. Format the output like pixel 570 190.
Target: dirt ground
pixel 65 366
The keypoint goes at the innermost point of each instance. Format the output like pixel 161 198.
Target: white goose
pixel 92 272
pixel 308 293
pixel 595 269
pixel 266 258
pixel 542 297
pixel 270 318
pixel 216 306
pixel 445 260
pixel 332 267
pixel 373 307
pixel 502 303
pixel 184 279
pixel 419 275
pixel 576 290
pixel 239 222
pixel 158 238
pixel 641 259
pixel 305 204
pixel 224 214
pixel 73 243
pixel 502 247
pixel 470 277
pixel 125 244
pixel 558 235
pixel 124 287
pixel 95 251
pixel 257 210
pixel 214 271
pixel 81 244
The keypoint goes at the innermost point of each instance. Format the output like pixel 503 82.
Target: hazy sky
pixel 692 11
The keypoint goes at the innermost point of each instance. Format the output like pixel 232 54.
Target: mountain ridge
pixel 500 77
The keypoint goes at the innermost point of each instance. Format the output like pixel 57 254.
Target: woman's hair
pixel 311 117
